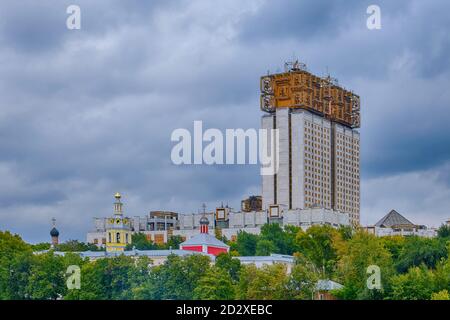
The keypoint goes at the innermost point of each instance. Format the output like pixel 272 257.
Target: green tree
pixel 346 232
pixel 232 266
pixel 173 242
pixel 94 282
pixel 394 244
pixel 47 278
pixel 290 239
pixel 282 240
pixel 267 283
pixel 15 264
pixel 111 278
pixel 139 241
pixel 175 279
pixel 441 295
pixel 442 275
pixel 316 244
pixel 355 256
pixel 417 251
pixel 216 284
pixel 444 231
pixel 40 246
pixel 304 277
pixel 245 243
pixel 416 284
pixel 265 247
pixel 76 246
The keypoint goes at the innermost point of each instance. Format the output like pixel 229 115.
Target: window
pixel 109 237
pixel 118 237
pixel 126 238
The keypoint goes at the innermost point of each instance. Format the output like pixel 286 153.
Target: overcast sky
pixel 86 113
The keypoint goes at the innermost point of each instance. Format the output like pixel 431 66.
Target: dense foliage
pixel 410 268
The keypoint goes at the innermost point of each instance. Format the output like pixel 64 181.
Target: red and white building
pixel 204 242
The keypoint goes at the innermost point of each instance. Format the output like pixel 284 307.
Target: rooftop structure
pixel 54 233
pixel 252 203
pixel 204 242
pixel 328 285
pixel 324 289
pixel 260 261
pixel 118 228
pixel 297 88
pixel 394 219
pixel 393 224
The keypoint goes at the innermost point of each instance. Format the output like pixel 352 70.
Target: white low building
pixel 260 261
pixel 231 223
pixel 394 224
pixel 160 225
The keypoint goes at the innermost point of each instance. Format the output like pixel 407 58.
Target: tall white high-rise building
pixel 346 185
pixel 318 163
pixel 318 158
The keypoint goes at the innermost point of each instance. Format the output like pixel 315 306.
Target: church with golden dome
pixel 118 228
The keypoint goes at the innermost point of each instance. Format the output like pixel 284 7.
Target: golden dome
pixel 117 196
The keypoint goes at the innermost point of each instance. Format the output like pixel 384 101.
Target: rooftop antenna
pixel 295 62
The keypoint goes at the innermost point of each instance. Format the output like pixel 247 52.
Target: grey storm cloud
pixel 85 113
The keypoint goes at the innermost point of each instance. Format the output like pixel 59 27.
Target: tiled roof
pixel 204 239
pixel 272 258
pixel 327 285
pixel 393 218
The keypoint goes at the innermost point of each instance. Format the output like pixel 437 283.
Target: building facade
pixel 228 223
pixel 318 145
pixel 395 224
pixel 204 242
pixel 261 261
pixel 118 229
pixel 158 226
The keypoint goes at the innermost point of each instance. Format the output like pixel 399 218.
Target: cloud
pixel 86 113
pixel 421 196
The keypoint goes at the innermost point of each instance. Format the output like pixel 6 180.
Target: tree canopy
pixel 408 268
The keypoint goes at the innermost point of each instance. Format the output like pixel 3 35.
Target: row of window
pixel 316 180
